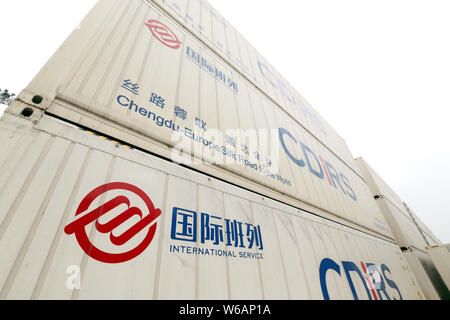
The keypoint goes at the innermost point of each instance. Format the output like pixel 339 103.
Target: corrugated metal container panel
pixel 416 260
pixel 433 274
pixel 400 222
pixel 158 230
pixel 131 71
pixel 347 250
pixel 378 186
pixel 441 259
pixel 407 233
pixel 410 231
pixel 430 280
pixel 430 237
pixel 119 42
pixel 206 23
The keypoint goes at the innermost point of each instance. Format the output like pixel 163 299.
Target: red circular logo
pixel 78 227
pixel 163 34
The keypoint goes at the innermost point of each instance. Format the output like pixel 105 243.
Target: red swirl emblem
pixel 163 34
pixel 78 227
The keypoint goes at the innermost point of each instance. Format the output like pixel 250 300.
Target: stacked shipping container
pixel 52 168
pixel 441 259
pixel 154 74
pixel 91 91
pixel 409 233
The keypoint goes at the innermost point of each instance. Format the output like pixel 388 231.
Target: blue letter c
pixel 282 133
pixel 125 105
pixel 326 265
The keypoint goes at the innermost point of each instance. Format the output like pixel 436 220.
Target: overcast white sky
pixel 378 71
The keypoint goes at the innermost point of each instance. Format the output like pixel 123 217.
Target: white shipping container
pixel 400 221
pixel 132 72
pixel 158 155
pixel 407 234
pixel 229 44
pixel 84 217
pixel 430 238
pixel 441 259
pixel 427 275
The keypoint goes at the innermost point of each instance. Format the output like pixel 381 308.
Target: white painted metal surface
pixel 50 170
pixel 215 32
pixel 417 261
pixel 428 235
pixel 134 73
pixel 83 217
pixel 441 259
pixel 400 222
pixel 406 232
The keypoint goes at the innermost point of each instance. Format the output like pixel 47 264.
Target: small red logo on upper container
pixel 147 220
pixel 163 34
